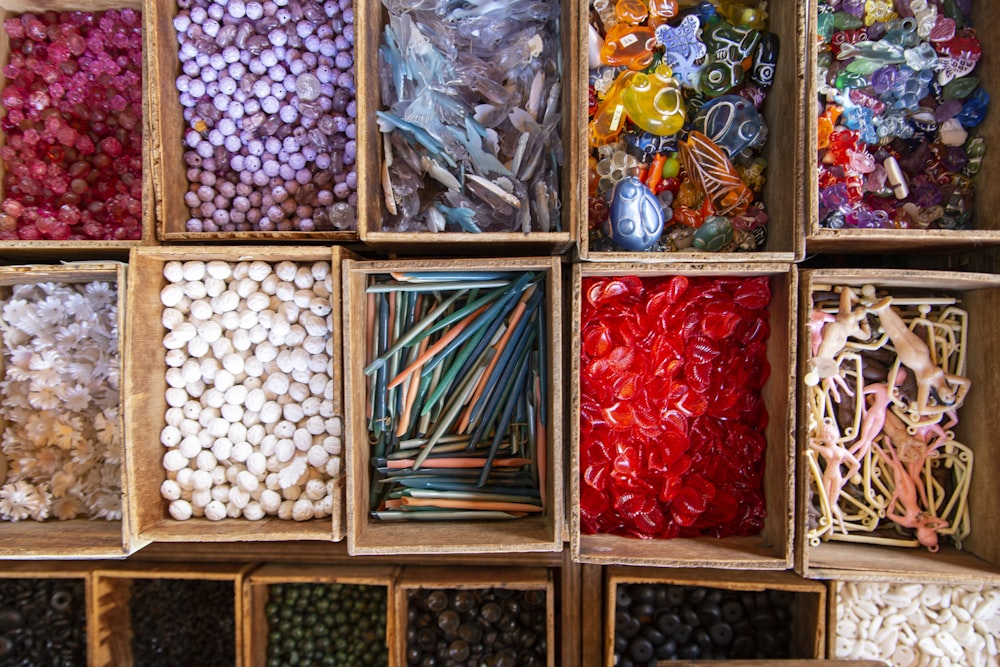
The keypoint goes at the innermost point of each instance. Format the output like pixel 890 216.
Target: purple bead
pixel 343 60
pixel 251 163
pixel 260 179
pixel 254 10
pixel 270 167
pixel 288 114
pixel 297 161
pixel 270 104
pixel 233 143
pixel 194 225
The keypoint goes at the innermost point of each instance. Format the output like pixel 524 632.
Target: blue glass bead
pixel 731 122
pixel 974 109
pixel 636 220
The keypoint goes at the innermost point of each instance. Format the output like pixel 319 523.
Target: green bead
pixel 825 26
pixel 959 89
pixel 845 21
pixel 671 167
pixel 714 235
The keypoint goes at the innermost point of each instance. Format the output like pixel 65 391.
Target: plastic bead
pixel 654 102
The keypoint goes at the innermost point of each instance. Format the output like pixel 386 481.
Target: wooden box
pixel 145 404
pixel 985 225
pixel 367 536
pixel 979 558
pixel 110 616
pixel 783 194
pixel 414 579
pixel 82 537
pixel 168 127
pixel 772 548
pixel 370 23
pixel 51 249
pixel 256 592
pixel 808 607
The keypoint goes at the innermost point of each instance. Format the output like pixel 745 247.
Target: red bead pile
pixel 73 153
pixel 671 415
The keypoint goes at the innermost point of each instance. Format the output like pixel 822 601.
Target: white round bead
pixel 253 511
pixel 218 269
pixel 173 461
pixel 214 287
pixel 176 397
pixel 215 511
pixel 284 291
pixel 210 330
pixel 270 412
pixel 247 481
pixel 206 460
pixel 171 295
pixel 302 510
pixel 239 497
pixel 241 270
pixel 224 381
pixel 195 290
pixel 253 367
pixel 292 412
pixel 285 510
pixel 255 434
pixel 245 287
pixel 171 318
pixel 232 413
pixel 198 347
pixel 296 336
pixel 170 489
pixel 222 448
pixel 233 363
pixel 302 297
pixel 180 509
pixel 257 463
pixel 175 358
pixel 314 344
pixel 237 432
pixel 285 270
pixel 303 278
pixel 193 270
pixel 258 271
pixel 332 445
pixel 190 447
pixel 220 492
pixel 201 480
pixel 269 284
pixel 270 500
pixel 315 489
pixel 333 466
pixel 285 450
pixel 173 271
pixel 175 378
pixel 317 456
pixel 226 302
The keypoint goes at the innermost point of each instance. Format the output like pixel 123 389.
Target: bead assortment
pixel 326 624
pixel 250 429
pixel 182 622
pixel 671 415
pixel 913 624
pixel 675 129
pixel 268 95
pixel 42 622
pixel 884 385
pixel 658 622
pixel 73 128
pixel 60 455
pixel 495 627
pixel 899 111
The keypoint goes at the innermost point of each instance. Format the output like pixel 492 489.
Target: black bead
pixel 641 649
pixel 721 634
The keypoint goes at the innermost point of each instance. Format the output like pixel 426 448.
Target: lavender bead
pixel 236 8
pixel 254 11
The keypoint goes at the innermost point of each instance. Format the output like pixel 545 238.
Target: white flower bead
pixel 220 492
pixel 171 295
pixel 270 500
pixel 175 358
pixel 215 511
pixel 201 480
pixel 285 510
pixel 195 290
pixel 173 272
pixel 190 447
pixel 258 270
pixel 253 367
pixel 218 269
pixel 270 412
pixel 285 450
pixel 257 463
pixel 232 414
pixel 206 460
pixel 214 287
pixel 326 407
pixel 253 511
pixel 201 497
pixel 180 509
pixel 226 302
pixel 322 507
pixel 170 489
pixel 315 425
pixel 173 461
pixel 171 318
pixel 193 270
pixel 176 397
pixel 302 510
pixel 198 347
pixel 210 330
pixel 317 456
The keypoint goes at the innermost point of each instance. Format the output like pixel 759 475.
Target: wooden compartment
pixel 145 404
pixel 416 578
pixel 985 223
pixel 772 548
pixel 371 19
pixel 365 535
pixel 167 125
pixel 979 559
pixel 256 594
pixel 81 537
pixel 45 249
pixel 808 607
pixel 783 112
pixel 110 616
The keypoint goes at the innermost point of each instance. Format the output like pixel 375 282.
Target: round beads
pixel 73 153
pixel 270 109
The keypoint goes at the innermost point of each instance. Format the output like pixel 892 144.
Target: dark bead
pixel 642 609
pixel 689 615
pixel 709 613
pixel 666 650
pixel 696 595
pixel 768 644
pixel 675 596
pixel 732 611
pixel 780 598
pixel 689 652
pixel 621 643
pixel 641 649
pixel 652 634
pixel 702 638
pixel 629 626
pixel 721 634
pixel 668 623
pixel 743 647
pixel 644 593
pixel 622 597
pixel 683 634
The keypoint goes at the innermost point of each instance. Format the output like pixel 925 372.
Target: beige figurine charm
pixel 885 381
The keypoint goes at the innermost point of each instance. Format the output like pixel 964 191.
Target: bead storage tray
pixel 111 616
pixel 771 548
pixel 372 20
pixel 418 579
pixel 167 148
pixel 542 531
pixel 985 229
pixel 979 557
pixel 807 610
pixel 77 574
pixel 146 407
pixel 75 248
pixel 783 194
pixel 257 595
pixel 78 537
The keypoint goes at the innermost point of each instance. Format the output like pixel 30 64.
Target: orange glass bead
pixel 628 45
pixel 632 12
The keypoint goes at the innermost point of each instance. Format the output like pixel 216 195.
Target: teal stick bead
pixel 411 335
pixel 517 394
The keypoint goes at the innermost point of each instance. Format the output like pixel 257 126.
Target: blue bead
pixel 636 220
pixel 731 122
pixel 974 109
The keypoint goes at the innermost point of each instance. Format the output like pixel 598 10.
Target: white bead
pixel 173 272
pixel 222 448
pixel 210 330
pixel 253 511
pixel 215 511
pixel 247 481
pixel 277 384
pixel 284 291
pixel 171 317
pixel 175 358
pixel 233 363
pixel 224 381
pixel 176 397
pixel 245 287
pixel 193 270
pixel 255 434
pixel 314 344
pixel 258 301
pixel 239 496
pixel 254 400
pixel 265 351
pixel 170 490
pixel 298 392
pixel 218 427
pixel 253 367
pixel 300 360
pixel 315 489
pixel 311 406
pixel 189 447
pixel 201 480
pixel 214 287
pixel 258 271
pixel 320 270
pixel 258 333
pixel 268 444
pixel 296 335
pixel 302 297
pixel 320 307
pixel 285 270
pixel 226 302
pixel 314 324
pixel 302 510
pixel 175 378
pixel 180 510
pixel 285 510
pixel 317 456
pixel 257 463
pixel 285 450
pixel 206 460
pixel 332 445
pixel 195 290
pixel 232 414
pixel 237 432
pixel 241 270
pixel 221 493
pixel 269 284
pixel 333 466
pixel 303 278
pixel 170 436
pixel 184 478
pixel 303 439
pixel 292 412
pixel 171 295
pixel 198 347
pixel 173 461
pixel 247 318
pixel 172 341
pixel 195 389
pixel 218 269
pixel 270 412
pixel 333 426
